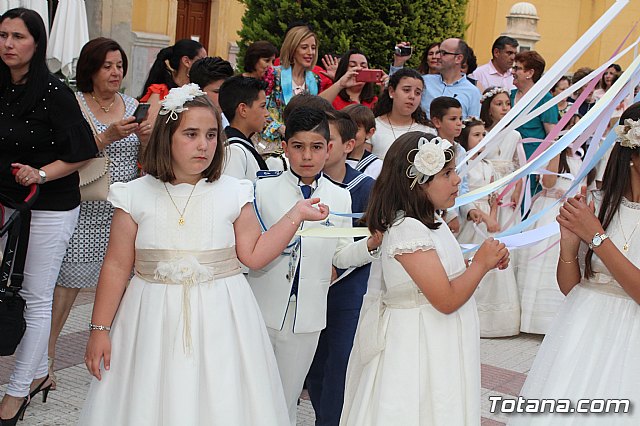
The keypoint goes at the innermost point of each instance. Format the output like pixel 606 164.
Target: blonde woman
pixel 294 75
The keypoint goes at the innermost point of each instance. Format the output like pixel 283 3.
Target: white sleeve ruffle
pixel 408 236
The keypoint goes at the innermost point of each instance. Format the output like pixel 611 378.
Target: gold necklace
pixel 393 132
pixel 181 218
pixel 625 247
pixel 105 109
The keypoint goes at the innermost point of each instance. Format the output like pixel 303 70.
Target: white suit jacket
pixel 272 284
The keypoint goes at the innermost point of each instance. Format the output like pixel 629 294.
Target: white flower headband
pixel 491 93
pixel 429 160
pixel 173 103
pixel 628 133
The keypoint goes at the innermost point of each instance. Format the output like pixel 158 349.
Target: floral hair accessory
pixel 491 93
pixel 173 103
pixel 430 158
pixel 628 133
pixel 471 120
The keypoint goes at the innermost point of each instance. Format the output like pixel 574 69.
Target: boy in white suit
pixel 292 290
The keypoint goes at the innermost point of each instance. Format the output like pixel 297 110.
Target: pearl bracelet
pixel 99 327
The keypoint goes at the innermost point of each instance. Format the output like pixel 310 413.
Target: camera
pixel 403 50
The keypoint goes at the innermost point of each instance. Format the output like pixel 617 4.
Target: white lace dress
pixel 188 343
pixel 592 349
pixel 540 297
pixel 497 294
pixel 411 365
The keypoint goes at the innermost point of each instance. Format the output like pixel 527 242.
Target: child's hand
pixel 454 225
pixel 305 210
pixel 579 217
pixel 515 199
pixel 492 224
pixel 475 216
pixel 334 274
pixel 492 253
pixel 374 241
pixel 98 347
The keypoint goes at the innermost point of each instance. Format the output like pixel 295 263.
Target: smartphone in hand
pixel 369 76
pixel 141 112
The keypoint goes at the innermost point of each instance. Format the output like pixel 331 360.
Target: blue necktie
pixel 306 193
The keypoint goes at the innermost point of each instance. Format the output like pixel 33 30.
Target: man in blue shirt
pixel 450 81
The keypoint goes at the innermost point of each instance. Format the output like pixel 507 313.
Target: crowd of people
pixel 232 264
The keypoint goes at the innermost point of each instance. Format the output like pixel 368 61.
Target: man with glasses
pixel 497 72
pixel 450 81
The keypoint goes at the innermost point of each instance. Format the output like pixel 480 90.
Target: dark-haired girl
pixel 398 111
pixel 592 349
pixel 44 137
pixel 169 70
pixel 416 354
pixel 360 93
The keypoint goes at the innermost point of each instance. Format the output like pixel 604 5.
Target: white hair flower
pixel 429 160
pixel 173 103
pixel 491 93
pixel 628 133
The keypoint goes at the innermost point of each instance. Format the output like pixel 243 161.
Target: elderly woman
pixel 101 67
pixel 44 137
pixel 259 58
pixel 528 69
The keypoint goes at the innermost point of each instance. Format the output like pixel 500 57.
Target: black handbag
pixel 12 305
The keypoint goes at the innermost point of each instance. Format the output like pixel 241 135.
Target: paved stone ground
pixel 505 363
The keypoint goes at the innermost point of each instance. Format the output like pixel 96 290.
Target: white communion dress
pixel 497 294
pixel 592 349
pixel 412 365
pixel 188 343
pixel 540 297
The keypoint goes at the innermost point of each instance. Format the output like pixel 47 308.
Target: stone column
pixel 522 24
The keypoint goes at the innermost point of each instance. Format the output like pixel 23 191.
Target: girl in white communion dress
pixel 592 350
pixel 185 344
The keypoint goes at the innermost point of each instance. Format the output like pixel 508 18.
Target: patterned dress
pixel 88 245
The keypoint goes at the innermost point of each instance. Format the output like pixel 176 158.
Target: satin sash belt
pixel 222 262
pixel 186 268
pixel 371 333
pixel 405 298
pixel 605 284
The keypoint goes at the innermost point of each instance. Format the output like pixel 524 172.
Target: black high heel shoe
pixel 19 415
pixel 45 390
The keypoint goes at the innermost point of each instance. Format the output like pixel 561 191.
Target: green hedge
pixel 370 25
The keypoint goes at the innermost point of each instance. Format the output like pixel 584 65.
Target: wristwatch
pixel 43 176
pixel 597 240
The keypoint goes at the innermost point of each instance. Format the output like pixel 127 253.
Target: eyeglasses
pixel 444 53
pixel 516 68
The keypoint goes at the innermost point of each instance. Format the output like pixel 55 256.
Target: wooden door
pixel 193 20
